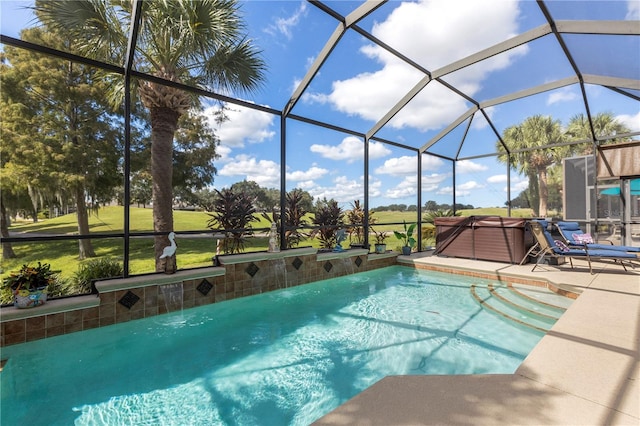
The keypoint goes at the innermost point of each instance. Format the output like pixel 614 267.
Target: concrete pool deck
pixel 584 371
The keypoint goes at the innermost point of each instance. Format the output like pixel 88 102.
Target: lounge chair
pixel 548 247
pixel 572 233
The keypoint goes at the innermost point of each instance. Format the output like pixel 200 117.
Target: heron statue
pixel 169 251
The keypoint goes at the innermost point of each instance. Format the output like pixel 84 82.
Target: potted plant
pixel 380 246
pixel 29 285
pixel 406 237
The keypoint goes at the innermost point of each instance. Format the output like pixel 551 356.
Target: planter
pixel 406 250
pixel 381 248
pixel 29 298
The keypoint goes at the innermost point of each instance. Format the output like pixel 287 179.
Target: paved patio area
pixel 583 372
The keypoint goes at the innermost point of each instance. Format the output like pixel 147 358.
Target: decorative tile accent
pixel 297 263
pixel 204 287
pixel 327 266
pixel 252 269
pixel 358 261
pixel 129 299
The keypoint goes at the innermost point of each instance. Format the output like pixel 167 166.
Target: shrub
pixel 329 218
pixel 96 269
pixel 233 215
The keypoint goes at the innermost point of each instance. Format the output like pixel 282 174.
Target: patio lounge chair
pixel 547 246
pixel 571 231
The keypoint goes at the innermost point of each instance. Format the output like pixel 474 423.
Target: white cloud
pixel 462 190
pixel 421 30
pixel 468 166
pixel 432 182
pixel 350 149
pixel 497 179
pixel 563 95
pixel 431 162
pixel 399 166
pixel 517 187
pixel 445 190
pixel 467 186
pixel 307 175
pixel 479 121
pixel 285 25
pixel 244 125
pixel 631 121
pixel 407 188
pixel 224 152
pixel 345 190
pixel 633 10
pixel 265 173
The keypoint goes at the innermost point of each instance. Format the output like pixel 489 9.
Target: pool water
pixel 284 357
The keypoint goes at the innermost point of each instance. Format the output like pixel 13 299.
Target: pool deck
pixel 584 371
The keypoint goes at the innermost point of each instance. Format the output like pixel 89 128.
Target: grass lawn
pixel 193 251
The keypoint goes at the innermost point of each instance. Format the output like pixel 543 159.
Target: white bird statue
pixel 170 250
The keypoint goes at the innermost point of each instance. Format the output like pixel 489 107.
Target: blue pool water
pixel 284 357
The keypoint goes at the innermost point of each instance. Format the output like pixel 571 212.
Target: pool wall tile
pixel 90 323
pixel 107 310
pixel 73 327
pixel 55 331
pixel 107 297
pixel 16 327
pixel 107 321
pixel 151 311
pixel 36 335
pixel 229 281
pixel 73 317
pixel 35 324
pixel 90 314
pixel 55 320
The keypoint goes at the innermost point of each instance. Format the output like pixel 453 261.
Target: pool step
pixel 521 301
pixel 516 306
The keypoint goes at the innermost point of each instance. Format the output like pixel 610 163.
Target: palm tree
pixel 196 42
pixel 604 124
pixel 535 131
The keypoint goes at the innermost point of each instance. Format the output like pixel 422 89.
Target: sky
pixel 360 82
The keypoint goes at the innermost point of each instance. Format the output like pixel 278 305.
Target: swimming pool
pixel 284 357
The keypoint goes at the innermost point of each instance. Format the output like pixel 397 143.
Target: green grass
pixel 193 251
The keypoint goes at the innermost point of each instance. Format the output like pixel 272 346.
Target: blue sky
pixel 360 82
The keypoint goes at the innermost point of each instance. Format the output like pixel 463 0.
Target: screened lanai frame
pixel 559 30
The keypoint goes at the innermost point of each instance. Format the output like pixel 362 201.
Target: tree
pixel 604 124
pixel 196 42
pixel 535 132
pixel 252 189
pixel 431 205
pixel 141 188
pixel 7 248
pixel 206 199
pixel 64 144
pixel 193 157
pixel 521 201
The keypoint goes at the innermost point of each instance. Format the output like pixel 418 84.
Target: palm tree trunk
pixel 164 122
pixel 544 191
pixel 85 247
